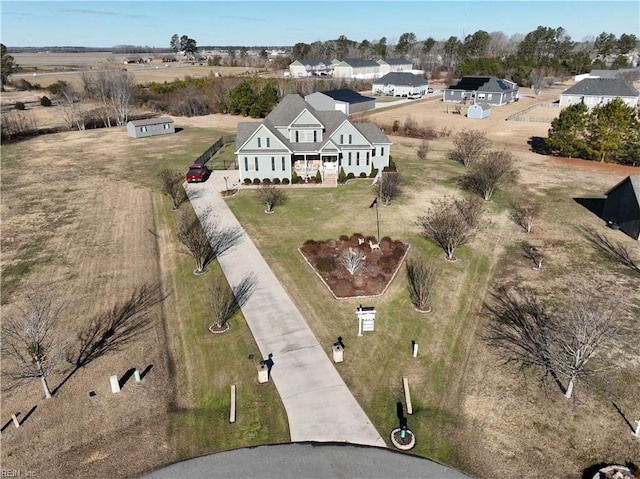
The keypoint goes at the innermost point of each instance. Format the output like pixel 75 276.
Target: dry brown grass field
pixel 93 234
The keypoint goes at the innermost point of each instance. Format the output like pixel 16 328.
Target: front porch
pixel 307 166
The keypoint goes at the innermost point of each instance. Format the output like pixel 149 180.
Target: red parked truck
pixel 197 173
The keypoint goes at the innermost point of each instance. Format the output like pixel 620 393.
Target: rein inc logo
pixel 17 473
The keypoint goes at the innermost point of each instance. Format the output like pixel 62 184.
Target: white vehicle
pixel 414 96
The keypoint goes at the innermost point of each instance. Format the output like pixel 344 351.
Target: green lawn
pixel 375 363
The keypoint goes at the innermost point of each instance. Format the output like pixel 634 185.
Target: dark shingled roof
pixel 347 95
pixel 483 84
pixel 401 78
pixel 635 185
pixel 397 61
pixel 602 87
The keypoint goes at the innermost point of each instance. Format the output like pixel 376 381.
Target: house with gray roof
pixel 307 68
pixel 400 84
pixel 150 127
pixel 345 100
pixel 598 91
pixel 389 65
pixel 622 206
pixel 296 137
pixel 356 68
pixel 482 89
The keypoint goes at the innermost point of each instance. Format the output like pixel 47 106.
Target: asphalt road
pixel 308 461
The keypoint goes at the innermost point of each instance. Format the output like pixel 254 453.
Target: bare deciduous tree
pixel 489 172
pixel 420 280
pixel 423 150
pixel 389 186
pixel 352 259
pixel 115 89
pixel 227 301
pixel 559 341
pixel 171 182
pixel 451 223
pixel 613 249
pixel 470 146
pixel 204 238
pixel 73 111
pixel 533 253
pixel 30 339
pixel 17 123
pixel 271 196
pixel 525 213
pixel 114 329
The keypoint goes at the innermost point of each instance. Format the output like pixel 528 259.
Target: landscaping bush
pixel 311 247
pixel 342 176
pixel 344 238
pixel 318 177
pixel 374 172
pixel 19 105
pixel 247 181
pixel 276 181
pixel 363 175
pixel 256 181
pixel 350 176
pixel 266 181
pixel 295 179
pixel 45 101
pixel 326 264
pixel 285 181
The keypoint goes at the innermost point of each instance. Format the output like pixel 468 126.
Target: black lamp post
pixel 226 188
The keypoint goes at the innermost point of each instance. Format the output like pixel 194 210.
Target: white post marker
pixel 16 423
pixel 232 413
pixel 136 375
pixel 637 433
pixel 415 350
pixel 115 385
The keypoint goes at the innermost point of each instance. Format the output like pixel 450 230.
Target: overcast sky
pixel 270 23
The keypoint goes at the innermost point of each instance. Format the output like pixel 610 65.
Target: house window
pixel 144 128
pixel 373 152
pixel 315 136
pixel 341 139
pixel 382 151
pixel 489 95
pixel 367 158
pixel 268 142
pixel 273 163
pixel 349 159
pixel 357 158
pixel 259 145
pixel 283 166
pixel 246 164
pixel 255 160
pixel 297 137
pixel 350 138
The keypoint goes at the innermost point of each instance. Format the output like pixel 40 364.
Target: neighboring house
pixel 483 89
pixel 479 111
pixel 622 73
pixel 344 100
pixel 150 127
pixel 394 65
pixel 307 68
pixel 356 68
pixel 622 206
pixel 598 91
pixel 400 84
pixel 295 137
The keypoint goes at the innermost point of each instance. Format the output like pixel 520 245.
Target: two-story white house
pixel 295 137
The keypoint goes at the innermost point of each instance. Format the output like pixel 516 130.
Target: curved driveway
pixel 318 404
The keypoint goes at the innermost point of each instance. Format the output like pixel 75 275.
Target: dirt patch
pixel 378 267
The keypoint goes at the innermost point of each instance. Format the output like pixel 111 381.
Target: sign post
pixel 366 318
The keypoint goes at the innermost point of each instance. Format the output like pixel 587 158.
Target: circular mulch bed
pixel 219 330
pixel 403 443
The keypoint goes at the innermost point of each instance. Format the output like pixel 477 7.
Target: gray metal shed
pixel 150 127
pixel 479 111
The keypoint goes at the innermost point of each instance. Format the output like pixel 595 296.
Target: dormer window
pixel 259 145
pixel 297 137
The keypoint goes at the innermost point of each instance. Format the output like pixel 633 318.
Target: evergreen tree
pixel 609 129
pixel 567 132
pixel 241 99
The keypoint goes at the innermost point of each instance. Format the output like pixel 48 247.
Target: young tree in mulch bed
pixel 374 271
pixel 226 301
pixel 270 196
pixel 420 280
